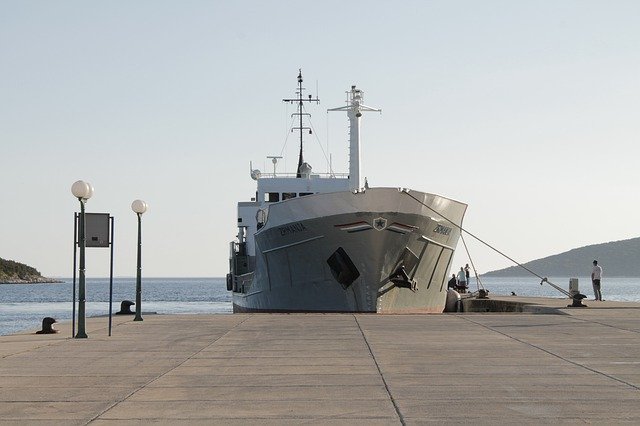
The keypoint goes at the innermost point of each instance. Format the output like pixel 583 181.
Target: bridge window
pixel 302 194
pixel 287 195
pixel 272 197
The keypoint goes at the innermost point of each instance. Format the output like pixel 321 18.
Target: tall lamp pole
pixel 139 207
pixel 82 191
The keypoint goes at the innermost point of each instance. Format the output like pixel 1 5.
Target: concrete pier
pixel 576 366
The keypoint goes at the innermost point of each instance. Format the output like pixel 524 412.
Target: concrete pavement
pixel 581 366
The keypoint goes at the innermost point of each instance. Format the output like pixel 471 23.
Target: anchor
pixel 401 279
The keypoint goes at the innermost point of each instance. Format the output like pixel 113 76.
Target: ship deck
pixel 580 365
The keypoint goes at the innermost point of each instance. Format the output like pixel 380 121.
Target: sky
pixel 529 112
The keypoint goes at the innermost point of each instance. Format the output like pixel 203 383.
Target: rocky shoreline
pixel 29 280
pixel 12 272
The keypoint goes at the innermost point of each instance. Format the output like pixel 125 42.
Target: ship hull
pixel 380 250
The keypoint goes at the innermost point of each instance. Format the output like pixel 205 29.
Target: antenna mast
pixel 300 101
pixel 354 108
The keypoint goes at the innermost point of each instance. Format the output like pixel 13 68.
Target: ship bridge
pixel 284 186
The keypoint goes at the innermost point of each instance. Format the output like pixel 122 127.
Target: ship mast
pixel 300 101
pixel 354 109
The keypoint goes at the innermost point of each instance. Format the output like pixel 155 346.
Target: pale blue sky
pixel 527 111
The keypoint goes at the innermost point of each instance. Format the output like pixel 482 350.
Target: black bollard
pixel 125 308
pixel 47 326
pixel 577 301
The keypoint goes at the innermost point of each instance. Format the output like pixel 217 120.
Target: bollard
pixel 577 301
pixel 575 294
pixel 573 286
pixel 125 308
pixel 47 326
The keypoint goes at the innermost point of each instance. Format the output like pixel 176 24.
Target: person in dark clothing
pixel 466 272
pixel 453 283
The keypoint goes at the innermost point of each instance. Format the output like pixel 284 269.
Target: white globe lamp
pixel 139 206
pixel 82 190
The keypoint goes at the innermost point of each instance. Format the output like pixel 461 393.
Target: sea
pixel 22 306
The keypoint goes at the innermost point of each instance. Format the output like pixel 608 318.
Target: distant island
pixel 617 258
pixel 12 272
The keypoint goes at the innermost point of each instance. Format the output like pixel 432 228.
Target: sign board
pixel 97 229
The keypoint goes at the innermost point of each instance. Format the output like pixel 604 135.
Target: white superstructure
pixel 275 187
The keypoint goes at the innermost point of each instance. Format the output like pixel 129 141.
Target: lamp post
pixel 139 207
pixel 82 191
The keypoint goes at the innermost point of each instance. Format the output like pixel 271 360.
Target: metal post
pixel 81 290
pixel 139 274
pixel 75 255
pixel 111 277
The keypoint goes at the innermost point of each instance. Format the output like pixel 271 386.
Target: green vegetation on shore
pixel 16 272
pixel 617 258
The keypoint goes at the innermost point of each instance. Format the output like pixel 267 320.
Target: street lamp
pixel 139 207
pixel 82 191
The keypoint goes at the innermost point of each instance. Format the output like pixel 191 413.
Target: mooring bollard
pixel 125 308
pixel 575 294
pixel 47 326
pixel 483 294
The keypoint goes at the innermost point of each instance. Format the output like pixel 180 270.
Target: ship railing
pixel 313 175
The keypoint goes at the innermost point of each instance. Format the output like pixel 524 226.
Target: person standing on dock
pixel 462 281
pixel 596 276
pixel 467 273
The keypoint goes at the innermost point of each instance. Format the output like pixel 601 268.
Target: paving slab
pixel 261 393
pixel 575 366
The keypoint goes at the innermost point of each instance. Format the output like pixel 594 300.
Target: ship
pixel 327 242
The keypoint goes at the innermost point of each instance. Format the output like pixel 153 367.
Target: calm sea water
pixel 616 289
pixel 22 306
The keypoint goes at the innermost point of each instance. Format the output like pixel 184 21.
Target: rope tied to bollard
pixel 543 279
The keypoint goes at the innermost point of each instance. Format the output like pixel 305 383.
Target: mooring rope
pixel 543 279
pixel 478 282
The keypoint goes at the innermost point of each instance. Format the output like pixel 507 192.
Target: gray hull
pixel 380 251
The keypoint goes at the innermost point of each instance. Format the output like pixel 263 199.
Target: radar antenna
pixel 300 101
pixel 274 160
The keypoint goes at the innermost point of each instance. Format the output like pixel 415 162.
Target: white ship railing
pixel 313 175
